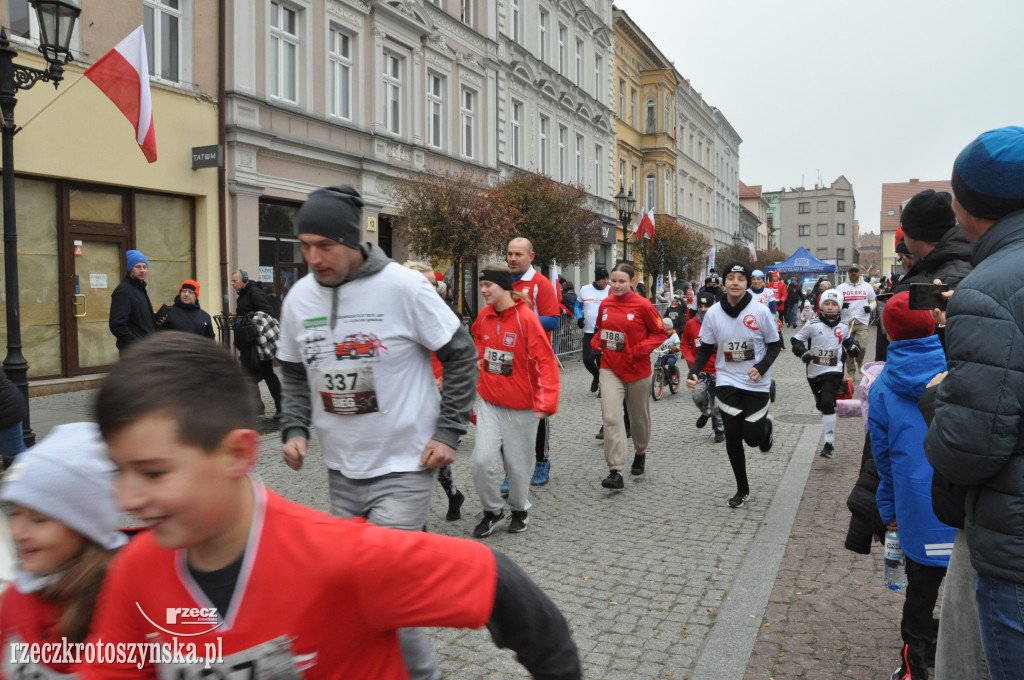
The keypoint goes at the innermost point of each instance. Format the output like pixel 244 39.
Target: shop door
pixel 95 272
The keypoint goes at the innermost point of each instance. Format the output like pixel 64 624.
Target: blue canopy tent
pixel 802 262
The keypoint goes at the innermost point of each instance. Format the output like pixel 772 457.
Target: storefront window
pixel 281 262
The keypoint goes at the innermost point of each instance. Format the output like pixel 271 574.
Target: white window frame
pixel 392 90
pixel 515 133
pixel 338 62
pixel 598 164
pixel 563 158
pixel 840 228
pixel 467 122
pixel 280 39
pixel 598 69
pixel 668 190
pixel 650 117
pixel 543 130
pixel 466 12
pixel 580 141
pixel 542 34
pixel 516 21
pixel 563 35
pixel 154 40
pixel 435 110
pixel 579 62
pixel 651 192
pixel 622 98
pixel 622 173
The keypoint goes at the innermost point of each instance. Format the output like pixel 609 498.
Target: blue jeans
pixel 12 442
pixel 1001 614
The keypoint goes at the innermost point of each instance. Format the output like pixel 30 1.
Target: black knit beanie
pixel 928 215
pixel 335 213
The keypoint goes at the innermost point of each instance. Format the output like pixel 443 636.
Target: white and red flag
pixel 646 227
pixel 123 75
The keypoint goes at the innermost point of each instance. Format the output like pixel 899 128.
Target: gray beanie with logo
pixel 68 477
pixel 333 212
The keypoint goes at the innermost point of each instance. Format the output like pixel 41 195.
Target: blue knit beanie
pixel 134 257
pixel 988 175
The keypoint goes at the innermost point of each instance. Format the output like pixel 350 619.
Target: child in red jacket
pixel 704 392
pixel 518 386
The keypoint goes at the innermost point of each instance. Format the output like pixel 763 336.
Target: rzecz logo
pixel 186 619
pixel 750 321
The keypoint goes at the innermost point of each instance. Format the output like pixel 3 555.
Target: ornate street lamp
pixel 56 24
pixel 626 205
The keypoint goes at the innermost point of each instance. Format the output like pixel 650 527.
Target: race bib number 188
pixel 347 391
pixel 614 341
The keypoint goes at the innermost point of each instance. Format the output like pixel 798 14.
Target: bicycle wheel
pixel 673 385
pixel 657 383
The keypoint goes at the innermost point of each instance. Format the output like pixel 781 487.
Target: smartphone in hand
pixel 927 296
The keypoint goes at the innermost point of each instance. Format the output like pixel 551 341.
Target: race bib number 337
pixel 347 391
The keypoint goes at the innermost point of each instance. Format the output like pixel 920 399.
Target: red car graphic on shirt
pixel 357 345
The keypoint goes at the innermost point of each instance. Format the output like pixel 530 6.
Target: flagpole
pixel 50 103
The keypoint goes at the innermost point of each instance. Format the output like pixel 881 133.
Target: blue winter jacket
pixel 897 444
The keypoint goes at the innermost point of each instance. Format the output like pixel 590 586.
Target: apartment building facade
pixel 822 220
pixel 755 225
pixel 727 182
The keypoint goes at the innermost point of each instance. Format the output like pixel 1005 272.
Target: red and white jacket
pixel 518 367
pixel 629 328
pixel 690 343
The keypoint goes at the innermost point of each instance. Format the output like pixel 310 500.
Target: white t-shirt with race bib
pixel 825 345
pixel 372 391
pixel 741 343
pixel 855 299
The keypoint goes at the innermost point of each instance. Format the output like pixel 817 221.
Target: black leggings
pixel 737 406
pixel 824 388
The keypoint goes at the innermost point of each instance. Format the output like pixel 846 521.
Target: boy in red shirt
pixel 704 392
pixel 268 585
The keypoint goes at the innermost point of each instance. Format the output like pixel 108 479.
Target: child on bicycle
pixel 670 351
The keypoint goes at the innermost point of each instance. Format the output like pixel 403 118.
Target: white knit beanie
pixel 68 477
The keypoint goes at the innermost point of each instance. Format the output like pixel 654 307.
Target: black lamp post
pixel 627 208
pixel 56 24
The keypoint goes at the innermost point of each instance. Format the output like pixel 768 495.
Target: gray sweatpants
pixel 504 437
pixel 399 500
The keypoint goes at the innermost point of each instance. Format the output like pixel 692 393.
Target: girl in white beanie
pixel 60 502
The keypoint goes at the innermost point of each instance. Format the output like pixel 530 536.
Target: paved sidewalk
pixel 663 579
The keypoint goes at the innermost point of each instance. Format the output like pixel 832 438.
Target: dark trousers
pixel 919 627
pixel 824 388
pixel 264 371
pixel 591 359
pixel 541 446
pixel 745 419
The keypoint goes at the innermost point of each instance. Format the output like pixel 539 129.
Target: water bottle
pixel 895 574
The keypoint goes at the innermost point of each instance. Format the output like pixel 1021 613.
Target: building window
pixel 622 173
pixel 284 52
pixel 804 208
pixel 545 19
pixel 162 20
pixel 515 20
pixel 691 145
pixel 840 206
pixel 804 230
pixel 598 68
pixel 466 9
pixel 668 190
pixel 822 206
pixel 632 107
pixel 700 152
pixel 339 60
pixel 633 186
pixel 392 93
pixel 822 230
pixel 840 254
pixel 668 110
pixel 822 253
pixel 891 213
pixel 467 112
pixel 517 118
pixel 545 124
pixel 563 36
pixel 579 62
pixel 435 109
pixel 563 152
pixel 579 160
pixel 649 125
pixel 435 3
pixel 650 193
pixel 598 168
pixel 622 99
pixel 840 229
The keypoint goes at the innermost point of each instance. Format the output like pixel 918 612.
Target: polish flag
pixel 123 75
pixel 646 226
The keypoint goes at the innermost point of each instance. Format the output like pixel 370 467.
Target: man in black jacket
pixel 131 313
pixel 938 246
pixel 185 315
pixel 252 299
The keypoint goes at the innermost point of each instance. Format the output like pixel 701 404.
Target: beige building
pixel 757 230
pixel 822 220
pixel 85 193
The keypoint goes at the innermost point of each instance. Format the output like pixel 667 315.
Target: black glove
pixel 854 351
pixel 579 323
pixel 846 305
pixel 806 357
pixel 867 309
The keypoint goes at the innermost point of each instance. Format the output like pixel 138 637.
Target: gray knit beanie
pixel 333 212
pixel 68 477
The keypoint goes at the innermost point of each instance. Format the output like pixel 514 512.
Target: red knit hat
pixel 438 276
pixel 190 284
pixel 903 323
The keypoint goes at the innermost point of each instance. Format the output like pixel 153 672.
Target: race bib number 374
pixel 738 350
pixel 347 392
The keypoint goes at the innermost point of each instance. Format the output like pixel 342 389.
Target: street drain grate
pixel 799 419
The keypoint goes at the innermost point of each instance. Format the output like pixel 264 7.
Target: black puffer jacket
pixel 865 520
pixel 251 299
pixel 977 437
pixel 131 313
pixel 188 318
pixel 12 405
pixel 949 262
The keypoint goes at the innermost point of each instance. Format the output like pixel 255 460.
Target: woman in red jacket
pixel 518 386
pixel 629 328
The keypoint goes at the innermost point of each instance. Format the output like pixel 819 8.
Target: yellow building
pixel 85 193
pixel 645 144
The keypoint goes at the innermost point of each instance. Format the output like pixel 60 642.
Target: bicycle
pixel 660 376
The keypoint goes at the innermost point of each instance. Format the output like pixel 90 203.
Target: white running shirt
pixel 591 298
pixel 825 345
pixel 741 343
pixel 855 298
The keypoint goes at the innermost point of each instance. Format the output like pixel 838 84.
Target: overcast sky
pixel 876 90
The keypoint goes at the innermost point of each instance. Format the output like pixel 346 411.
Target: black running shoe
pixel 454 506
pixel 703 420
pixel 769 436
pixel 594 385
pixel 738 500
pixel 600 433
pixel 488 523
pixel 638 464
pixel 828 451
pixel 719 436
pixel 613 481
pixel 520 520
